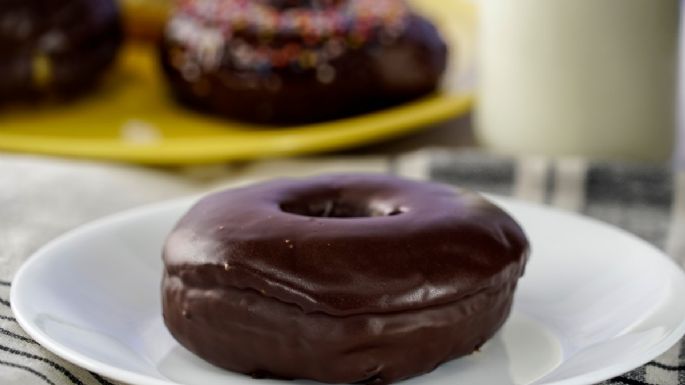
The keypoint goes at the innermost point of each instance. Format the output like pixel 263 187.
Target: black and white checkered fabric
pixel 41 198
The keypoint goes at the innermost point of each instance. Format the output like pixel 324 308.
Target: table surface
pixel 452 134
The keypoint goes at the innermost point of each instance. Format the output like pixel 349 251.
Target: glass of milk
pixel 594 78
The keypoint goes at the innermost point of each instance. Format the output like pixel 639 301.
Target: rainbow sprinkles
pixel 254 35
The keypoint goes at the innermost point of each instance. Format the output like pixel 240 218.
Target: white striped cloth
pixel 43 197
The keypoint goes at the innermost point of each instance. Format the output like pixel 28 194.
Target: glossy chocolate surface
pixel 55 48
pixel 340 278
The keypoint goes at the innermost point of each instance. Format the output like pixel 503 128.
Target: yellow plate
pixel 131 118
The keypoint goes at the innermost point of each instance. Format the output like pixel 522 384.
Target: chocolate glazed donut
pixel 341 278
pixel 55 48
pixel 299 61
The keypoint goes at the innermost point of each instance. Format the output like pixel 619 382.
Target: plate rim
pixel 116 373
pixel 392 122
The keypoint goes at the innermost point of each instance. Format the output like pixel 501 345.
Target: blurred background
pixel 101 79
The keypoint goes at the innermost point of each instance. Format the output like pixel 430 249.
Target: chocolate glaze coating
pixel 377 75
pixel 72 41
pixel 341 278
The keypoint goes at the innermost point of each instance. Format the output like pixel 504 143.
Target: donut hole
pixel 332 208
pixel 315 4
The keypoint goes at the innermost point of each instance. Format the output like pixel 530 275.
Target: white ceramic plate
pixel 595 302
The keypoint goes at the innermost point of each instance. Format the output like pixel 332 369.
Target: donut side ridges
pixel 243 331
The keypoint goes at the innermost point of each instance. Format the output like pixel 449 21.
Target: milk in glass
pixel 583 77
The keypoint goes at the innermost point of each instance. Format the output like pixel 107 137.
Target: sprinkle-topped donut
pixel 233 50
pixel 315 35
pixel 57 49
